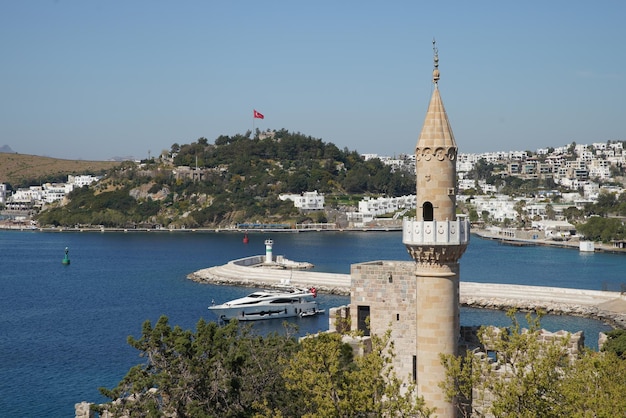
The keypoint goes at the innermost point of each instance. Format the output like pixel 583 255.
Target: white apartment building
pixel 47 193
pixel 80 181
pixel 467 184
pixel 591 190
pixel 384 205
pixel 499 207
pixel 28 195
pixel 306 200
pixel 56 191
pixel 369 209
pixel 464 166
pixel 600 169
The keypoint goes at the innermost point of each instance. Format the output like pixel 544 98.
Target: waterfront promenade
pixel 603 305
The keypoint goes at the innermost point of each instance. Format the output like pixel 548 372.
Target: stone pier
pixel 603 305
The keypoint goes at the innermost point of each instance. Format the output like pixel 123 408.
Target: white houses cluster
pixel 572 166
pixel 24 199
pixel 577 167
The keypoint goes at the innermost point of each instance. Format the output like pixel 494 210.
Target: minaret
pixel 436 239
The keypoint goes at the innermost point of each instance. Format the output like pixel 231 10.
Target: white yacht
pixel 269 304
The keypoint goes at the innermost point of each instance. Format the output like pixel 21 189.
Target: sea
pixel 64 328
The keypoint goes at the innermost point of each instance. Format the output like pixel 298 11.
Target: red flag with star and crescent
pixel 258 115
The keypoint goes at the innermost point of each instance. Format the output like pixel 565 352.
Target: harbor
pixel 608 306
pixel 117 280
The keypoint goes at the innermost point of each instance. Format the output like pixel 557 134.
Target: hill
pixel 236 180
pixel 22 170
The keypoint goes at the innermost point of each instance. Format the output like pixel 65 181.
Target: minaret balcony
pixel 416 233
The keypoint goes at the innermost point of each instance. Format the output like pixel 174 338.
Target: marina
pixel 608 306
pixel 82 313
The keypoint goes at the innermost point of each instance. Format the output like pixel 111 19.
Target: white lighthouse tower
pixel 268 251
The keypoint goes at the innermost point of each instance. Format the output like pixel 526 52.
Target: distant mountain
pixel 7 149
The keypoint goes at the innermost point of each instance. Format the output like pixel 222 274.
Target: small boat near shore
pixel 269 304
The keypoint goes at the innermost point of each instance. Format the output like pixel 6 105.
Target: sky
pixel 94 79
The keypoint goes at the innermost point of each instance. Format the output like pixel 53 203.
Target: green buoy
pixel 66 259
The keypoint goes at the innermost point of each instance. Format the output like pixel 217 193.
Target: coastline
pixel 606 306
pixel 5 227
pixel 573 244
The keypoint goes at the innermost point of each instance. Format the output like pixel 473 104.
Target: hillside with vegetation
pixel 234 180
pixel 21 170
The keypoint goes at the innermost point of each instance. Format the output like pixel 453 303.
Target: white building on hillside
pixel 28 195
pixel 499 207
pixel 37 196
pixel 306 200
pixel 80 181
pixel 53 192
pixel 385 205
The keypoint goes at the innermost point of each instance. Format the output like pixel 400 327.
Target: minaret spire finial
pixel 436 63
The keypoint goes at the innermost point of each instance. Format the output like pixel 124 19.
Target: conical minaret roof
pixel 436 131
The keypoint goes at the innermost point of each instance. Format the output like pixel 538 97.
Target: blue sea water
pixel 63 329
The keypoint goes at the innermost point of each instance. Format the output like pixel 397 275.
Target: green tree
pixel 616 343
pixel 594 386
pixel 531 377
pixel 521 381
pixel 602 229
pixel 332 382
pixel 481 171
pixel 572 214
pixel 473 215
pixel 216 371
pixel 550 213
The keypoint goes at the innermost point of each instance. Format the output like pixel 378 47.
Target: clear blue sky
pixel 97 79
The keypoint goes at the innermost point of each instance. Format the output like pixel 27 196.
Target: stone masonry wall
pixel 388 288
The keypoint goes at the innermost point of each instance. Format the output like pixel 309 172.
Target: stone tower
pixel 436 239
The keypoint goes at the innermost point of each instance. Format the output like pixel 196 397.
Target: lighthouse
pixel 268 251
pixel 436 239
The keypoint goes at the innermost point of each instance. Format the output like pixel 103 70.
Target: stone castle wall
pixel 388 288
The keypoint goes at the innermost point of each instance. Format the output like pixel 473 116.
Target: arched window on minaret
pixel 427 211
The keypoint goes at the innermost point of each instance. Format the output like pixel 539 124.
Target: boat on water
pixel 270 304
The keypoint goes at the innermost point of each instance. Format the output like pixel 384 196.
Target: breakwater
pixel 604 305
pixel 523 240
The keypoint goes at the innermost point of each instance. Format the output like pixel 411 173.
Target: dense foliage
pixel 616 343
pixel 602 229
pixel 227 371
pixel 529 377
pixel 234 180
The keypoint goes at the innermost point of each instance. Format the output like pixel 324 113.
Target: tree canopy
pixel 531 377
pixel 227 371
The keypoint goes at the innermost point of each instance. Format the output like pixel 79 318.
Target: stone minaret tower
pixel 436 239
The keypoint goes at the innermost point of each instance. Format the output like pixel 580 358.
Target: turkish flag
pixel 258 115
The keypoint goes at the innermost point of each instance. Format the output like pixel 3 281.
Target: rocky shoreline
pixel 614 318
